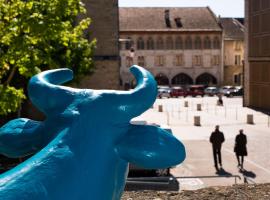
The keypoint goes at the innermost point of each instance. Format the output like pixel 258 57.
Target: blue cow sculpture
pixel 82 149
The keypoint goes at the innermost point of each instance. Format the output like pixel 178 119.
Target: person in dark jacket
pixel 217 138
pixel 240 148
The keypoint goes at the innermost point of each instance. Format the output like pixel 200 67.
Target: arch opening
pixel 162 79
pixel 206 79
pixel 182 79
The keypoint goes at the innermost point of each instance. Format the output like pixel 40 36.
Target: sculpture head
pixel 94 126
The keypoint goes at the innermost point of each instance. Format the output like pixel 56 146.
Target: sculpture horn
pixel 46 94
pixel 143 95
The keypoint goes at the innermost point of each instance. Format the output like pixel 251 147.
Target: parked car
pixel 139 171
pixel 195 90
pixel 164 91
pixel 211 91
pixel 236 91
pixel 223 90
pixel 178 92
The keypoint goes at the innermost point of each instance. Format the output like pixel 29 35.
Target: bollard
pixel 160 108
pixel 250 119
pixel 199 107
pixel 168 118
pixel 186 103
pixel 197 121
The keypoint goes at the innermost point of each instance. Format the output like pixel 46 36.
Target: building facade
pixel 177 45
pixel 233 38
pixel 105 28
pixel 257 65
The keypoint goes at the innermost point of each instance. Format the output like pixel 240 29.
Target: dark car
pixel 195 90
pixel 178 92
pixel 211 91
pixel 236 91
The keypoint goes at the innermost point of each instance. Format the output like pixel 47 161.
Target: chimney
pixel 178 22
pixel 167 18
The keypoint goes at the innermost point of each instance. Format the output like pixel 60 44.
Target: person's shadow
pixel 247 174
pixel 223 172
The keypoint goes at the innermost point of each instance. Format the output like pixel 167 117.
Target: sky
pixel 224 8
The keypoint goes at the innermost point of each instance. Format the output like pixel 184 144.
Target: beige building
pixel 257 65
pixel 233 34
pixel 105 28
pixel 177 45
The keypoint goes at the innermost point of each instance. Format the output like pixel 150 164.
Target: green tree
pixel 36 35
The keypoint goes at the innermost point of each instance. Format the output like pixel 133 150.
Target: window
pixel 216 60
pixel 179 60
pixel 237 79
pixel 129 61
pixel 140 44
pixel 188 43
pixel 150 43
pixel 160 61
pixel 207 43
pixel 179 43
pixel 197 60
pixel 216 44
pixel 160 43
pixel 237 45
pixel 141 61
pixel 129 43
pixel 169 43
pixel 198 43
pixel 237 60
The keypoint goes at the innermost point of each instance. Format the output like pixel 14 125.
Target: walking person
pixel 240 148
pixel 220 101
pixel 217 138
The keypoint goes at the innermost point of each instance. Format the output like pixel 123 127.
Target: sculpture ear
pixel 20 137
pixel 150 147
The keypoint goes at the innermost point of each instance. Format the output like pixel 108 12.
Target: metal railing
pixel 215 176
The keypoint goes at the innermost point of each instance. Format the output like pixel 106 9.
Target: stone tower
pixel 105 28
pixel 257 62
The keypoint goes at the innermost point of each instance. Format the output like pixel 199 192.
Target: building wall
pixel 170 69
pixel 259 53
pixel 246 99
pixel 105 28
pixel 233 62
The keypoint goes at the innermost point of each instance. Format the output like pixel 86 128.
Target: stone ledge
pixel 243 192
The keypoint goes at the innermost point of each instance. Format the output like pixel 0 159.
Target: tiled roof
pixel 153 19
pixel 233 28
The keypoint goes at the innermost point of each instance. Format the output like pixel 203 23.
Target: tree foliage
pixel 37 35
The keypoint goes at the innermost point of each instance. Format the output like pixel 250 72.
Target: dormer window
pixel 178 22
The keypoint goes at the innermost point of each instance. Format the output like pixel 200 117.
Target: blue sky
pixel 224 8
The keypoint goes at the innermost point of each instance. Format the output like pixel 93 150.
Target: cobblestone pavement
pixel 231 117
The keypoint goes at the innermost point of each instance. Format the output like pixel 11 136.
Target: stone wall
pixel 106 76
pixel 105 28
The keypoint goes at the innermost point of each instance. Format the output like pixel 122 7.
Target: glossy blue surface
pixel 82 149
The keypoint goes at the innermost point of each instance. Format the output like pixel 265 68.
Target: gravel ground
pixel 241 192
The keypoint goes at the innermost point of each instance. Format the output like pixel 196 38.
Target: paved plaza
pixel 199 162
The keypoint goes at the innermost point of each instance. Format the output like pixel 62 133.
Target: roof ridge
pixel 164 7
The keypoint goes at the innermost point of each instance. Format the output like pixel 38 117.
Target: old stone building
pixel 178 45
pixel 257 65
pixel 233 37
pixel 105 28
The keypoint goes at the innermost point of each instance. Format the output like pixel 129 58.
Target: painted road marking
pixel 190 183
pixel 250 161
